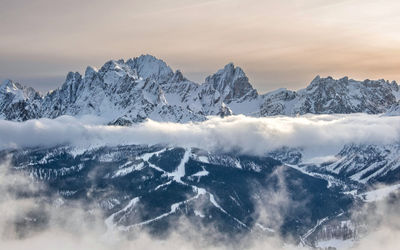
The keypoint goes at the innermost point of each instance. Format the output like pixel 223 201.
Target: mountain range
pixel 126 92
pixel 153 186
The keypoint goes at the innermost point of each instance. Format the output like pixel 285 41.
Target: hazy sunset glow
pixel 277 43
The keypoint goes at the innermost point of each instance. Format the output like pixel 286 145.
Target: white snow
pixel 200 173
pixel 173 209
pixel 199 214
pixel 180 170
pixel 203 159
pixel 237 164
pixel 264 228
pixel 110 220
pixel 214 202
pixel 379 194
pixel 127 170
pixel 147 156
pixel 336 243
pixel 163 185
pixel 304 237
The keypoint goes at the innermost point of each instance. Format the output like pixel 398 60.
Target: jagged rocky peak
pixel 8 83
pixel 18 102
pixel 395 86
pixel 70 87
pixel 73 77
pixel 90 71
pixel 178 77
pixel 232 83
pixel 346 82
pixel 315 81
pixel 8 86
pixel 150 67
pixel 90 74
pixel 146 67
pixel 11 88
pixel 146 87
pixel 116 65
pixel 114 70
pixel 348 96
pixel 327 82
pixel 330 96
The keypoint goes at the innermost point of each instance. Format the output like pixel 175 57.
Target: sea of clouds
pixel 239 133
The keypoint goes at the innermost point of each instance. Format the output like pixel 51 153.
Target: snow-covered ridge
pixel 125 92
pixel 362 163
pixel 331 96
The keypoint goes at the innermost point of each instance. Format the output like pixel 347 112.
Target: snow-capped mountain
pixel 330 96
pixel 152 186
pixel 18 103
pixel 124 92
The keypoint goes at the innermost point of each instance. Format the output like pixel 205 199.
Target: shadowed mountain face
pixel 146 87
pixel 151 187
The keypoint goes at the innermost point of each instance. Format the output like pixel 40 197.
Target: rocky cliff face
pixel 146 87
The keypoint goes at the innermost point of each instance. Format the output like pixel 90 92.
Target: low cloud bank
pixel 239 133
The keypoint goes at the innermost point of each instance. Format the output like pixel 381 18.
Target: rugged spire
pixel 232 83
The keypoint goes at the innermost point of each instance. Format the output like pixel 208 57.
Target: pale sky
pixel 281 43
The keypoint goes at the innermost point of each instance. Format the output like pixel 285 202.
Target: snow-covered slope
pixel 367 163
pixel 394 110
pixel 124 92
pixel 360 164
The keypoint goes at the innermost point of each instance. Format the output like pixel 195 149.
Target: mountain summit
pixel 232 83
pixel 125 92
